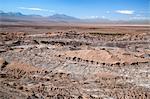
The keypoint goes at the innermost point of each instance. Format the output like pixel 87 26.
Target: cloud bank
pixel 35 9
pixel 127 12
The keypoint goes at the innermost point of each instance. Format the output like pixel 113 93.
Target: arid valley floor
pixel 74 62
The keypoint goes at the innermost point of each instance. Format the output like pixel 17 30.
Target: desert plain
pixel 74 61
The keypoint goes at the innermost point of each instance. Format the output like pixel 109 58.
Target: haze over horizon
pixel 106 9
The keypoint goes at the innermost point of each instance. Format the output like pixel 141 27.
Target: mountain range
pixel 62 18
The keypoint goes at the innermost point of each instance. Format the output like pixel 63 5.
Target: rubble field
pixel 111 62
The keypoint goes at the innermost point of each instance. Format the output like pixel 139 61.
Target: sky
pixel 107 9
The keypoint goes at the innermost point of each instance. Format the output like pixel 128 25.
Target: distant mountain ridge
pixel 17 16
pixel 11 13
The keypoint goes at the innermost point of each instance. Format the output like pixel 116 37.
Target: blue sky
pixel 109 9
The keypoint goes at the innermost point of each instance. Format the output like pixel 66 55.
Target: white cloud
pixel 93 17
pixel 141 18
pixel 103 17
pixel 35 9
pixel 107 12
pixel 128 12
